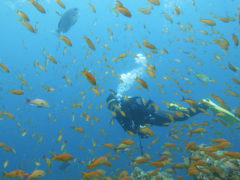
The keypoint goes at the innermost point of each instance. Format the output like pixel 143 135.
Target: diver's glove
pixel 226 115
pixel 175 107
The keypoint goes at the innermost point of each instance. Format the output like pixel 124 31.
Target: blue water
pixel 20 48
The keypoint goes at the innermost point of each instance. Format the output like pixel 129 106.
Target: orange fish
pixel 62 157
pixel 123 173
pixel 155 2
pixel 144 11
pixel 127 141
pixel 48 88
pixel 178 114
pixel 220 100
pixel 147 131
pixel 232 67
pixel 27 25
pixel 140 160
pixel 191 146
pixel 89 77
pixel 189 101
pixel 121 56
pixel 14 174
pixel 155 140
pixel 142 83
pixel 197 130
pixel 148 45
pixel 93 174
pixel 220 140
pixel 4 67
pixel 79 129
pixel 121 146
pixel 153 173
pixel 86 116
pixel 60 3
pixel 96 91
pixel 97 162
pixel 205 123
pixel 124 11
pixel 234 155
pixel 122 112
pixel 66 40
pixel 96 118
pixel 158 164
pixel 193 171
pixel 118 4
pixel 233 93
pixel 179 166
pixel 208 22
pixel 22 80
pixel 67 80
pixel 177 10
pixel 10 115
pixel 168 17
pixel 16 91
pixel 223 145
pixel 175 136
pixel 37 6
pixel 109 145
pixel 236 81
pixel 169 145
pixel 222 44
pixel 199 163
pixel 89 43
pixel 6 147
pixel 92 7
pixel 130 132
pixel 151 73
pixel 216 170
pixel 235 39
pixel 23 15
pixel 124 178
pixel 52 59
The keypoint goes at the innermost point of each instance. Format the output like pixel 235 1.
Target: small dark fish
pixel 232 67
pixel 68 19
pixel 64 166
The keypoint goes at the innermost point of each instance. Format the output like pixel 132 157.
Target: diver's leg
pixel 159 118
pixel 190 112
pixel 164 118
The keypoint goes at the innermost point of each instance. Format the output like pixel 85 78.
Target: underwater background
pixel 184 47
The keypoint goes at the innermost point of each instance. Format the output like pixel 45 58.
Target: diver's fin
pixel 228 116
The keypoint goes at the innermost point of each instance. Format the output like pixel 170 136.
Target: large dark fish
pixel 68 19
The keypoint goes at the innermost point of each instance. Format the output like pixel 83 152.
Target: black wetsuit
pixel 138 114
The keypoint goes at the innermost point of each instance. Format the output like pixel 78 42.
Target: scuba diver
pixel 133 113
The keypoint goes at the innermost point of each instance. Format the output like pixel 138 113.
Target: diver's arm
pixel 125 122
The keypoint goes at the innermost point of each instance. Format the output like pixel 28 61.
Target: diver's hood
pixel 111 101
